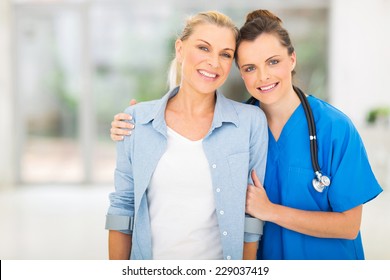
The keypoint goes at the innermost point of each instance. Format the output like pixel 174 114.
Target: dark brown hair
pixel 263 21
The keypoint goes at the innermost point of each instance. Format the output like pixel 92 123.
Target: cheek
pixel 250 84
pixel 228 66
pixel 249 80
pixel 286 73
pixel 283 72
pixel 193 58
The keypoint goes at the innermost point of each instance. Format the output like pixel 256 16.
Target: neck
pixel 279 113
pixel 192 103
pixel 190 114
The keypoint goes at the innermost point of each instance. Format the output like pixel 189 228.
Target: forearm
pixel 250 250
pixel 344 225
pixel 119 245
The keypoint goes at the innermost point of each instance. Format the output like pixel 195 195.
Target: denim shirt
pixel 236 143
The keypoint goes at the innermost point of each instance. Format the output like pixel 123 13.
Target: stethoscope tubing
pixel 312 129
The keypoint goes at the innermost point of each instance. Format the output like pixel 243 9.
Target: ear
pixel 179 50
pixel 293 58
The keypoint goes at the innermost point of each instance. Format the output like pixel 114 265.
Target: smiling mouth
pixel 207 74
pixel 267 88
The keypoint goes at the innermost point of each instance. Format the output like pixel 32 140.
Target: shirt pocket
pixel 239 170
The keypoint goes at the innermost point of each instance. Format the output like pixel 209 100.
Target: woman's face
pixel 206 57
pixel 266 67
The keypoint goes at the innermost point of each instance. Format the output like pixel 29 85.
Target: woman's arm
pixel 119 245
pixel 344 225
pixel 250 250
pixel 120 214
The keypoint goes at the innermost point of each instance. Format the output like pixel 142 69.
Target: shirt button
pixel 221 212
pixel 217 189
pixel 228 257
pixel 224 233
pixel 214 166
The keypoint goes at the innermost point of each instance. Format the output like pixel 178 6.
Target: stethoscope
pixel 320 181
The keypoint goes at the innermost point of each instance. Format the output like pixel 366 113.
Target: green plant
pixel 376 113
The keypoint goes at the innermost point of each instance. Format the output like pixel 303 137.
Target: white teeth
pixel 204 73
pixel 268 88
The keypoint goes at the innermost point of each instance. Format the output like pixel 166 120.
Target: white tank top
pixel 181 204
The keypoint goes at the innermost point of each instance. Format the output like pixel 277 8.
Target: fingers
pixel 116 138
pixel 255 179
pixel 119 131
pixel 122 124
pixel 122 116
pixel 133 102
pixel 118 134
pixel 252 191
pixel 255 200
pixel 120 127
pixel 251 194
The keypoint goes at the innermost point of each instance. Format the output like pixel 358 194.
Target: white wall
pixel 6 99
pixel 359 53
pixel 359 56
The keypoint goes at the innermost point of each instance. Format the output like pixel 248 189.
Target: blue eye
pixel 249 69
pixel 273 62
pixel 227 55
pixel 203 48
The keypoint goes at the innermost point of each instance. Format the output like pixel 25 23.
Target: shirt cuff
pixel 123 224
pixel 253 229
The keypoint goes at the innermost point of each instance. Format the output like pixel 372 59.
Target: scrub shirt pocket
pixel 300 193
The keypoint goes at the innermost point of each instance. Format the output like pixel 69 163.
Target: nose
pixel 263 74
pixel 213 60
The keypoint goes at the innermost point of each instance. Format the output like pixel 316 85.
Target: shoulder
pixel 146 111
pixel 141 107
pixel 227 110
pixel 332 123
pixel 247 111
pixel 327 114
pixel 142 110
pixel 252 118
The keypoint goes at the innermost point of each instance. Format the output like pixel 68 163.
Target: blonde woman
pixel 181 178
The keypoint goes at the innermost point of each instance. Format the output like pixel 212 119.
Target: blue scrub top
pixel 289 175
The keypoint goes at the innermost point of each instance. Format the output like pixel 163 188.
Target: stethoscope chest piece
pixel 321 182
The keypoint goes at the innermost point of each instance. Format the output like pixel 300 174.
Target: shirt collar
pixel 224 112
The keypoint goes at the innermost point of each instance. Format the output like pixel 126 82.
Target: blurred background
pixel 67 67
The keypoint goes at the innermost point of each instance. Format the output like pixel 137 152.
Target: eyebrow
pixel 268 59
pixel 272 57
pixel 210 45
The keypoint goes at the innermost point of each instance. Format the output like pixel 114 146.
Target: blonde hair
pixel 211 17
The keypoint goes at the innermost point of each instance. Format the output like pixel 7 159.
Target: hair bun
pixel 262 14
